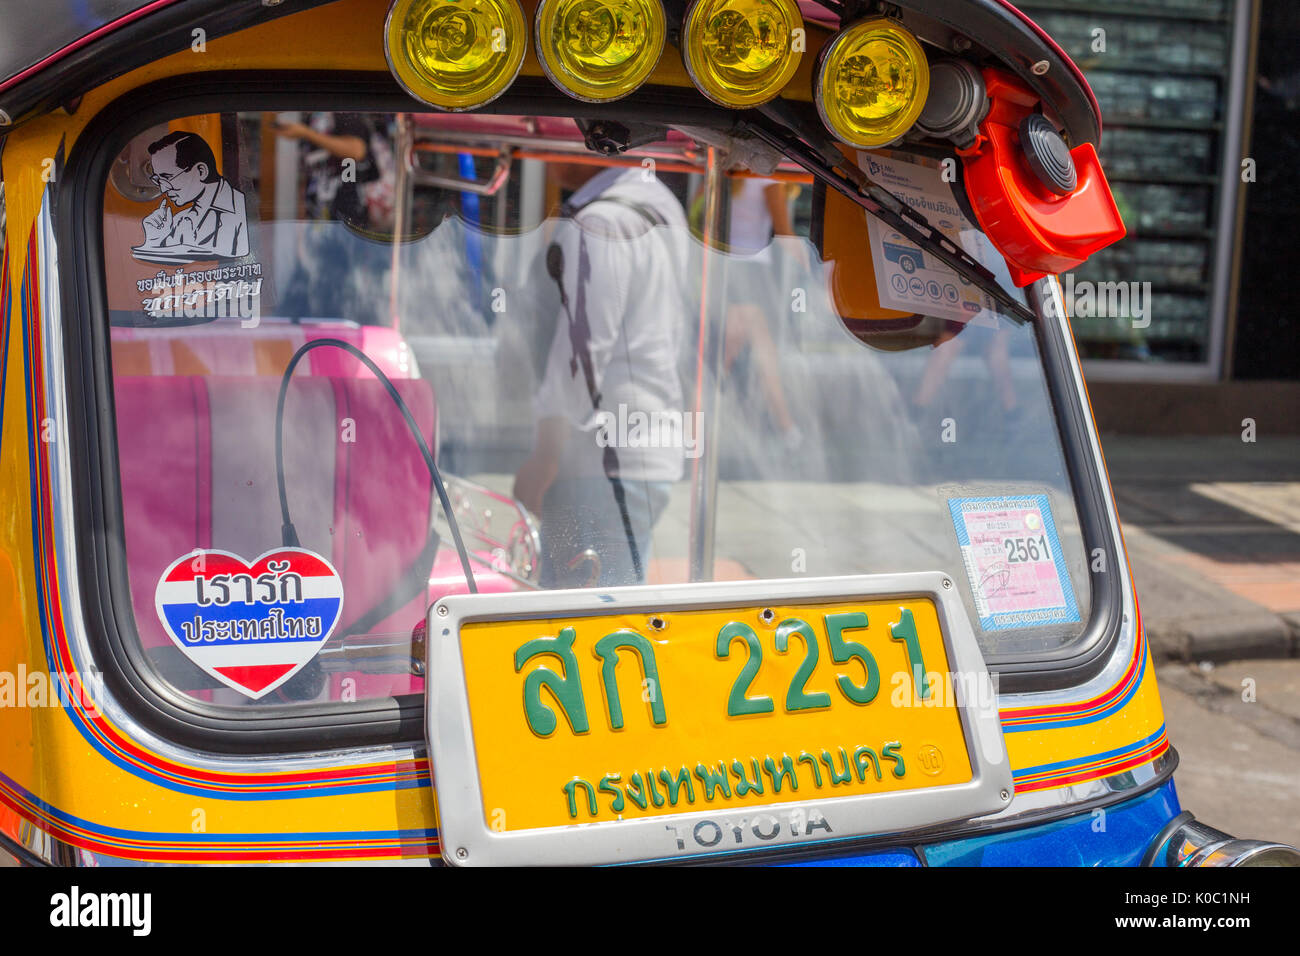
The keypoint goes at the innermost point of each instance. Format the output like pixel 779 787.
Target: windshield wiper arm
pixel 820 157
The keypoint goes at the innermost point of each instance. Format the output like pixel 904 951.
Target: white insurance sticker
pixel 1014 561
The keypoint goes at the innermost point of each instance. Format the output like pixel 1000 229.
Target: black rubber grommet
pixel 1048 155
pixel 1160 841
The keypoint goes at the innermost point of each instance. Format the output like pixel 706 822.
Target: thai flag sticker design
pixel 251 625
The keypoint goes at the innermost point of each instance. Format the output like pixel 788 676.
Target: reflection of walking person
pixel 946 350
pixel 620 265
pixel 350 182
pixel 210 219
pixel 760 211
pixel 347 164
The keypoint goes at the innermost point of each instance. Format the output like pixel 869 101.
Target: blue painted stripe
pixel 1055 722
pixel 321 788
pixel 183 836
pixel 1079 761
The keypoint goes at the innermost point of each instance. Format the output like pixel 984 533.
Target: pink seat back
pixel 197 460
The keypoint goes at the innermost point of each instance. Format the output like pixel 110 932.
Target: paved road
pixel 1213 533
pixel 1239 765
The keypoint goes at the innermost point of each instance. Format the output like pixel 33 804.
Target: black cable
pixel 288 533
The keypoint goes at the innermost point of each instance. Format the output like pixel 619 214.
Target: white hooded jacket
pixel 634 304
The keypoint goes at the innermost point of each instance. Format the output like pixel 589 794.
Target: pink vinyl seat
pixel 197 463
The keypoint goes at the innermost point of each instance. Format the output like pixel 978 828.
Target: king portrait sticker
pixel 250 624
pixel 193 221
pixel 1014 561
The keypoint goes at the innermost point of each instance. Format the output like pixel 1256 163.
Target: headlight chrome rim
pixel 899 123
pixel 704 74
pixel 572 85
pixel 422 87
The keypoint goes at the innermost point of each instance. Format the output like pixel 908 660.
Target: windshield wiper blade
pixel 828 164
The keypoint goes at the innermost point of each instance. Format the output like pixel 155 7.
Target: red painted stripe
pixel 1143 757
pixel 1083 708
pixel 316 781
pixel 414 847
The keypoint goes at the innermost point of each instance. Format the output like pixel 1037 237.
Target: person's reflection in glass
pixel 350 173
pixel 760 211
pixel 612 363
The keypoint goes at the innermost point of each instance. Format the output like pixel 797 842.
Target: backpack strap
pixel 645 212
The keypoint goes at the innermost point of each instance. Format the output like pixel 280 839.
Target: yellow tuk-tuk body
pixel 87 777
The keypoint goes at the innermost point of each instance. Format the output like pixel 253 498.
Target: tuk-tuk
pixel 562 432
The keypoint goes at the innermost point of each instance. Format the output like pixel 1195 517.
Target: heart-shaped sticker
pixel 251 625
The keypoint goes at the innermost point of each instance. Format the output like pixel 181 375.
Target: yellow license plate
pixel 620 716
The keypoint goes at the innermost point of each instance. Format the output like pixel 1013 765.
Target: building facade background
pixel 1177 82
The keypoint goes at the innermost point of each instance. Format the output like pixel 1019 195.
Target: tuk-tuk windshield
pixel 631 369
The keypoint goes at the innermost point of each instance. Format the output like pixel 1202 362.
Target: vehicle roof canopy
pixel 56 50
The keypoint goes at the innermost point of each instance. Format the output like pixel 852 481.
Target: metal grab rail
pixel 499 176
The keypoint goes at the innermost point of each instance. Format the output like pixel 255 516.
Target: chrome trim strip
pixel 1195 844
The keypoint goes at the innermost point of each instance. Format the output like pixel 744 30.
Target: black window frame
pixel 97 501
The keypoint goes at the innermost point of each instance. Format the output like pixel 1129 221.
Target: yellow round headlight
pixel 455 54
pixel 742 52
pixel 599 50
pixel 872 83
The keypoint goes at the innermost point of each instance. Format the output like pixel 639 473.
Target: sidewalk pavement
pixel 1212 526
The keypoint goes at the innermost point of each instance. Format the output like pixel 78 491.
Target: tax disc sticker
pixel 251 625
pixel 1014 561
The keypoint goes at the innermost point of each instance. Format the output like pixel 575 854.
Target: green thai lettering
pixel 713 781
pixel 637 796
pixel 860 758
pixel 890 752
pixel 786 772
pixel 743 784
pixel 811 761
pixel 843 651
pixel 656 797
pixel 836 776
pixel 566 689
pixel 739 704
pixel 797 697
pixel 571 791
pixel 675 785
pixel 607 783
pixel 607 649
